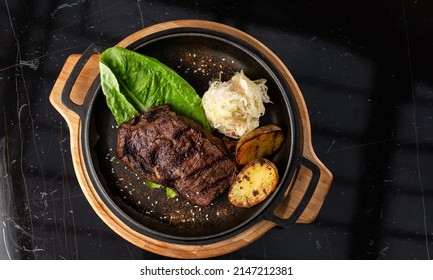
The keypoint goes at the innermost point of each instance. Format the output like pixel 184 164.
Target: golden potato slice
pixel 262 142
pixel 254 183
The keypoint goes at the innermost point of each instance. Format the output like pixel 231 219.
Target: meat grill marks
pixel 176 152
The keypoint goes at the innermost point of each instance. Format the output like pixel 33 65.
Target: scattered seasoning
pixel 190 61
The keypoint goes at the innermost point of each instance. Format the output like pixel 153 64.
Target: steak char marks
pixel 178 153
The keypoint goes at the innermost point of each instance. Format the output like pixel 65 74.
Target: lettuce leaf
pixel 133 82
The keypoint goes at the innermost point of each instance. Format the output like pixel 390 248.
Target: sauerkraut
pixel 235 106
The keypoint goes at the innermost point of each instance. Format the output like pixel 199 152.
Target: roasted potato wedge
pixel 254 183
pixel 262 142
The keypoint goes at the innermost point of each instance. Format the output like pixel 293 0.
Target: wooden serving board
pixel 292 198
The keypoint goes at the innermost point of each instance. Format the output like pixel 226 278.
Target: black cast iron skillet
pixel 198 55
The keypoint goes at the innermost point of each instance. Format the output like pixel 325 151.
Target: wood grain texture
pixel 295 191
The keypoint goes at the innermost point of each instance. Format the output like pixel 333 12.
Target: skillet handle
pixel 70 82
pixel 311 196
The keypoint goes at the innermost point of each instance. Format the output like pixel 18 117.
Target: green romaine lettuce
pixel 133 82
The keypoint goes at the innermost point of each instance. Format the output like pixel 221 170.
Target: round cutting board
pixel 303 178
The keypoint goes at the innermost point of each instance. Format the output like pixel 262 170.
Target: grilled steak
pixel 178 153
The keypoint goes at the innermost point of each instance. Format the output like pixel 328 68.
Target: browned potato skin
pixel 262 142
pixel 254 183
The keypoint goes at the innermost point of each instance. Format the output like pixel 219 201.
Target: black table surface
pixel 364 68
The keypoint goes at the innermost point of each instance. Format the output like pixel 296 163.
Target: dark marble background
pixel 365 69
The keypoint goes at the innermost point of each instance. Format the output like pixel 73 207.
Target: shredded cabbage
pixel 234 107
